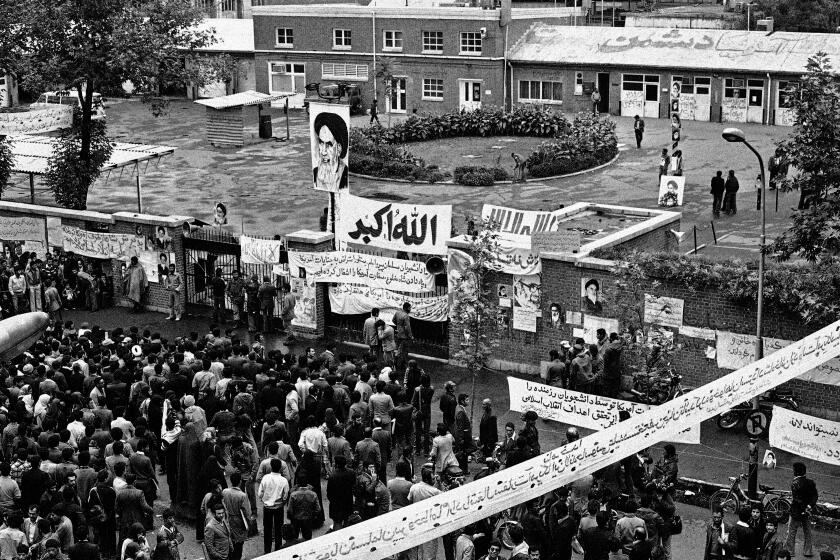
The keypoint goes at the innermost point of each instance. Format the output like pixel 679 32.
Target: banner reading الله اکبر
pixel 413 228
pixel 350 299
pixel 101 245
pixel 358 268
pixel 260 251
pixel 22 229
pixel 805 436
pixel 426 520
pixel 579 409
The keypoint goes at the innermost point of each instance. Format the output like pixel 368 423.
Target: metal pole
pixel 695 240
pixel 373 23
pixel 287 119
pixel 139 195
pixel 761 245
pixel 31 188
pixel 714 233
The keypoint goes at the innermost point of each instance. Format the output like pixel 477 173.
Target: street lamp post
pixel 737 135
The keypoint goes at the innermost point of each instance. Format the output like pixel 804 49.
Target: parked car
pixel 68 97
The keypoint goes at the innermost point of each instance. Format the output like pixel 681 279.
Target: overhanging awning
pixel 30 154
pixel 242 99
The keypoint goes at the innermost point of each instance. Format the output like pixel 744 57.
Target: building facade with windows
pixel 719 75
pixel 441 58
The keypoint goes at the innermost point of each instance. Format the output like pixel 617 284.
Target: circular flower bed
pixel 585 142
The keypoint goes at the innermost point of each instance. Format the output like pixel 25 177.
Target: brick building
pixel 725 75
pixel 444 58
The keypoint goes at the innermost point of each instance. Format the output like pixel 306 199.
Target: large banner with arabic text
pixel 805 436
pixel 349 299
pixel 357 268
pixel 520 225
pixel 260 251
pixel 102 245
pixel 400 227
pixel 420 522
pixel 579 409
pixel 22 229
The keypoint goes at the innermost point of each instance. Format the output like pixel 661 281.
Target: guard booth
pixel 225 123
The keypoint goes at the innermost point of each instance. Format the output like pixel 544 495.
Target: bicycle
pixel 774 502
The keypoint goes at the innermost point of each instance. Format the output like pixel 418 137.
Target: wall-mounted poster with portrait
pixel 671 191
pixel 330 131
pixel 526 302
pixel 504 291
pixel 160 241
pixel 554 319
pixel 590 296
pixel 305 311
pixel 220 214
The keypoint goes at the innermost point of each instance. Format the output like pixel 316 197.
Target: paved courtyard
pixel 266 184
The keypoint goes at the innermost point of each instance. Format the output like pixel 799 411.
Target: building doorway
pixel 604 89
pixel 397 100
pixel 470 94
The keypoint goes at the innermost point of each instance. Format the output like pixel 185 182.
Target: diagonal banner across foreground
pixel 410 526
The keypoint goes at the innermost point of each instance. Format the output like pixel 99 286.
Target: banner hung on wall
pixel 805 436
pixel 401 227
pixel 260 251
pixel 358 268
pixel 101 245
pixel 519 225
pixel 22 229
pixel 349 299
pixel 426 520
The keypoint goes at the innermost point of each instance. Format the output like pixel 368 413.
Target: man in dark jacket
pixel 598 541
pixel 718 188
pixel 730 190
pixel 252 291
pixel 741 539
pixel 218 286
pixel 131 507
pixel 402 335
pixel 803 499
pixel 488 428
pixel 463 432
pixel 340 492
pixel 448 404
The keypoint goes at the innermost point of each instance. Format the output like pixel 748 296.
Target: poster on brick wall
pixel 526 302
pixel 591 324
pixel 734 350
pixel 305 308
pixel 664 311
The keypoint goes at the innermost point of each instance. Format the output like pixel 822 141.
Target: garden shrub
pixel 500 174
pixel 477 178
pixel 436 177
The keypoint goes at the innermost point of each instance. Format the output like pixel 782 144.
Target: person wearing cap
pixel 529 433
pixel 488 428
pixel 448 404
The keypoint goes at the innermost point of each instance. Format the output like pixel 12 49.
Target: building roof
pixel 242 99
pixel 232 35
pixel 31 153
pixel 700 49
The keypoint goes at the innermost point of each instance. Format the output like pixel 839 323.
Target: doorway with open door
pixel 470 94
pixel 604 89
pixel 397 100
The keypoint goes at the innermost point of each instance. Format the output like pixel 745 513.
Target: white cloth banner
pixel 579 409
pixel 805 436
pixel 357 268
pixel 519 225
pixel 349 299
pixel 664 311
pixel 827 374
pixel 399 227
pixel 101 245
pixel 260 251
pixel 519 261
pixel 22 229
pixel 423 521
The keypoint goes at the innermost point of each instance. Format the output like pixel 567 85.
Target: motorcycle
pixel 757 421
pixel 657 387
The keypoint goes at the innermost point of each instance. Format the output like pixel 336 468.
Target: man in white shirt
pixel 17 286
pixel 274 494
pixel 265 466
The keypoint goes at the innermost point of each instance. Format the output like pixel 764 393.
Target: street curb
pixel 706 489
pixel 535 180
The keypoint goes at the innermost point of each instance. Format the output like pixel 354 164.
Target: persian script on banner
pixel 579 409
pixel 348 299
pixel 399 227
pixel 260 251
pixel 827 373
pixel 101 245
pixel 22 229
pixel 805 436
pixel 520 225
pixel 358 268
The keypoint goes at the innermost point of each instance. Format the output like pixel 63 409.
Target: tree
pixel 813 148
pixel 97 45
pixel 386 71
pixel 474 311
pixel 818 16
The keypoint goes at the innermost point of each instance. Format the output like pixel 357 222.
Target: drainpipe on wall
pixel 767 101
pixel 373 40
pixel 505 87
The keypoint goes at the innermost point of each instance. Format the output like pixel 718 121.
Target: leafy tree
pixel 12 44
pixel 5 162
pixel 386 71
pixel 819 16
pixel 97 45
pixel 813 148
pixel 474 311
pixel 69 175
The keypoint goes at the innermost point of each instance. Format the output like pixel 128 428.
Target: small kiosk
pixel 225 126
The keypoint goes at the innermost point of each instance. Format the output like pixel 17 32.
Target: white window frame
pixel 425 91
pixel 342 39
pixel 436 35
pixel 468 39
pixel 286 66
pixel 288 34
pixel 540 100
pixel 342 71
pixel 395 37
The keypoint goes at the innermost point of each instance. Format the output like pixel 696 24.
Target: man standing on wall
pixel 236 293
pixel 402 333
pixel 174 285
pixel 218 286
pixel 267 293
pixel 33 281
pixel 370 334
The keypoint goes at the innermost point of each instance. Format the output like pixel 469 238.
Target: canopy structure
pixel 31 154
pixel 225 126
